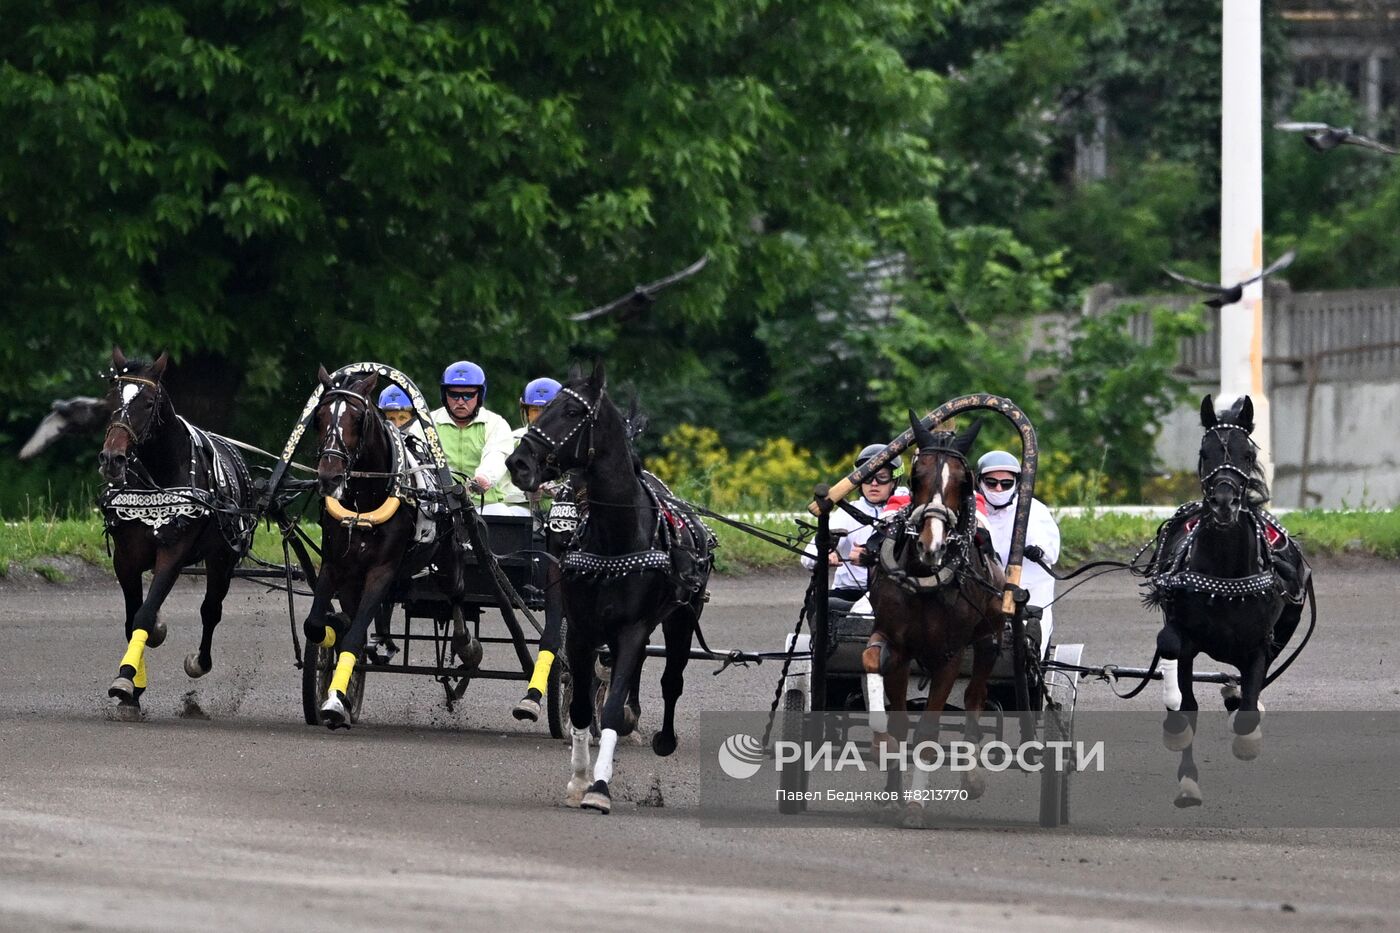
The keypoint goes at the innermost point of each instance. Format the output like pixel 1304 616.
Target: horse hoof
pixel 974 783
pixel 469 651
pixel 1248 746
pixel 193 667
pixel 124 690
pixel 663 743
pixel 1177 741
pixel 913 816
pixel 1230 694
pixel 629 721
pixel 573 794
pixel 527 710
pixel 1188 794
pixel 334 714
pixel 597 798
pixel 156 634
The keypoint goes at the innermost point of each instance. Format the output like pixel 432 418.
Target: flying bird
pixel 1325 138
pixel 79 415
pixel 1229 294
pixel 641 296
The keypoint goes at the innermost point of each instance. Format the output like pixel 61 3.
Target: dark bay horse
pixel 933 592
pixel 175 496
pixel 1230 582
pixel 641 558
pixel 367 532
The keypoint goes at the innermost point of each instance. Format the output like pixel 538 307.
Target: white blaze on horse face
pixel 129 393
pixel 934 533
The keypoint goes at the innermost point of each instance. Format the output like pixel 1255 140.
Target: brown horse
pixel 175 496
pixel 933 592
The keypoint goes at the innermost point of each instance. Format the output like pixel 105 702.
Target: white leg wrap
pixel 875 702
pixel 607 744
pixel 580 750
pixel 1171 690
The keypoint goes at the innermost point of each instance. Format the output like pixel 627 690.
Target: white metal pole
pixel 1242 215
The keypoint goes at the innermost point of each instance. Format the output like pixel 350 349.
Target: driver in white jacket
pixel 998 473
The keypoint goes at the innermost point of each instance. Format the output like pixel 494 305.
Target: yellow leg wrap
pixel 328 640
pixel 343 669
pixel 539 680
pixel 136 649
pixel 140 678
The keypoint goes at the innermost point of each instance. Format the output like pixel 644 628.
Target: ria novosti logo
pixel 741 756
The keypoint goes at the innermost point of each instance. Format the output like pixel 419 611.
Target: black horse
pixel 641 558
pixel 367 534
pixel 176 495
pixel 1230 582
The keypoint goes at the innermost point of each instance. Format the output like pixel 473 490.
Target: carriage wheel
pixel 317 669
pixel 792 780
pixel 1054 783
pixel 559 692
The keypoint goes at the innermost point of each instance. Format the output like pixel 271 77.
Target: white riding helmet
pixel 998 461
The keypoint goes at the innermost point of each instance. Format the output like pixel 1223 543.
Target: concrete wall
pixel 1355 450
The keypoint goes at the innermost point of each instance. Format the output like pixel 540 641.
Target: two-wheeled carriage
pixel 418 629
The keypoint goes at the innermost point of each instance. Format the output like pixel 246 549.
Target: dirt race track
pixel 223 811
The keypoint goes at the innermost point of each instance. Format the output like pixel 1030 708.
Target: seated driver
pixel 850 534
pixel 475 441
pixel 998 473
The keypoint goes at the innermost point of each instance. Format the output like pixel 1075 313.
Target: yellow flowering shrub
pixel 776 475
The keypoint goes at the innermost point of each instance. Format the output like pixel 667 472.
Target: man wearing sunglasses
pixel 998 473
pixel 852 578
pixel 475 440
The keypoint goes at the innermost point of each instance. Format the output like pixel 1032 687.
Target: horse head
pixel 138 401
pixel 941 487
pixel 342 420
pixel 561 439
pixel 1228 465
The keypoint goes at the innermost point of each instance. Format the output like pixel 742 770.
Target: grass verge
pixel 28 543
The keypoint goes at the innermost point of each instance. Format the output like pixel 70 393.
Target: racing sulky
pixel 934 592
pixel 1231 584
pixel 175 495
pixel 640 558
pixel 369 531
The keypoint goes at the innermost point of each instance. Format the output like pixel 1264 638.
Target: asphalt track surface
pixel 222 810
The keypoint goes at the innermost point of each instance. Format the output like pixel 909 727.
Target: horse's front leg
pixel 629 648
pixel 940 686
pixel 1188 791
pixel 146 630
pixel 335 711
pixel 1248 726
pixel 218 570
pixel 130 562
pixel 581 652
pixel 878 660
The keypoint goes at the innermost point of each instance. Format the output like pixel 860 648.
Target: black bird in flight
pixel 78 415
pixel 1229 294
pixel 1325 138
pixel 641 296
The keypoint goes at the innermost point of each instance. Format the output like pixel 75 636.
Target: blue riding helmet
pixel 395 399
pixel 998 461
pixel 465 374
pixel 540 391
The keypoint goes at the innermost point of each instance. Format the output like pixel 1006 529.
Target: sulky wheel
pixel 559 691
pixel 1054 782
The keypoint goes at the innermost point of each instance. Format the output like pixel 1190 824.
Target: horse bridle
pixel 551 446
pixel 121 418
pixel 337 434
pixel 1208 481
